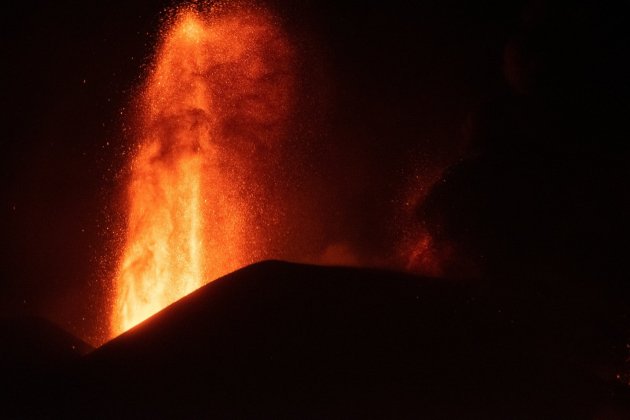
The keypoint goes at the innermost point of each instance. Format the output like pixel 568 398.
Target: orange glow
pixel 423 258
pixel 220 87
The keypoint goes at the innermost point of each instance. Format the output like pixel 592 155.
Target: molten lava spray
pixel 219 92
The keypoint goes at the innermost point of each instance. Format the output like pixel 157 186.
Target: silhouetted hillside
pixel 36 358
pixel 285 340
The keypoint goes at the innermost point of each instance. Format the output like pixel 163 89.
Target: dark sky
pixel 400 80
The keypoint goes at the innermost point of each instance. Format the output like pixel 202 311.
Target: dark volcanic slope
pixel 32 341
pixel 278 339
pixel 36 357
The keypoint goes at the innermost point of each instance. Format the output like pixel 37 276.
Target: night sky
pixel 388 88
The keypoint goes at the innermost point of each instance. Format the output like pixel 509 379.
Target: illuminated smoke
pixel 219 93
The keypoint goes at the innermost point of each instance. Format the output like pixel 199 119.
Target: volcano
pixel 279 339
pixel 152 148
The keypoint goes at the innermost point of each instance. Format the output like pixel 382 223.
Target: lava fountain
pixel 216 98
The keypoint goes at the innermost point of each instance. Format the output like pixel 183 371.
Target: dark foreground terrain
pixel 280 340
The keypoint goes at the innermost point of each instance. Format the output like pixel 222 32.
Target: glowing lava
pixel 220 88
